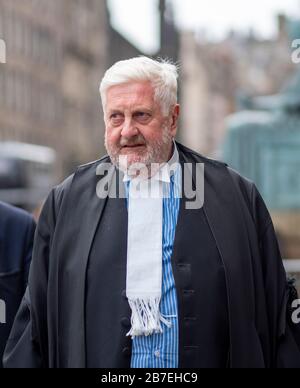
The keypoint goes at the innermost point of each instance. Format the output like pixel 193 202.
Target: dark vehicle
pixel 26 173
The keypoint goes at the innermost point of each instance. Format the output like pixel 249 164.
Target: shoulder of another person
pixel 14 214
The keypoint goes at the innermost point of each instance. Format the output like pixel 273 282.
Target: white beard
pixel 157 153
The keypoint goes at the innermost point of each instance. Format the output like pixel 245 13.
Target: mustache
pixel 139 140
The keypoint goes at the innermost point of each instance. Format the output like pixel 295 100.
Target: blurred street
pixel 239 95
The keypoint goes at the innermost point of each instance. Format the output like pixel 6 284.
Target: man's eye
pixel 142 116
pixel 116 118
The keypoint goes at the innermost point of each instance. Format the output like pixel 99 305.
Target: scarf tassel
pixel 146 318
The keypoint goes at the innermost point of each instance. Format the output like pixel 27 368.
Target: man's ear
pixel 174 117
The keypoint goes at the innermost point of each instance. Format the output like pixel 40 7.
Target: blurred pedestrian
pixel 16 240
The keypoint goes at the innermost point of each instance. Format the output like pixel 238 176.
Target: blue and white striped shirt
pixel 161 350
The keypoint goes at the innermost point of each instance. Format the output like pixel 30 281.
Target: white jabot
pixel 144 250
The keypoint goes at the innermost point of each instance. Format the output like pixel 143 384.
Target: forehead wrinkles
pixel 130 95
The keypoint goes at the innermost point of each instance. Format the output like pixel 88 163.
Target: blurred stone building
pixel 120 48
pixel 216 76
pixel 57 52
pixel 56 56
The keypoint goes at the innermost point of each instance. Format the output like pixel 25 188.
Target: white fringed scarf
pixel 144 253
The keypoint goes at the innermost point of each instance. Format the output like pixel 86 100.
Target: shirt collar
pixel 167 169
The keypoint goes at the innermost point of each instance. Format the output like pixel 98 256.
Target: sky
pixel 138 19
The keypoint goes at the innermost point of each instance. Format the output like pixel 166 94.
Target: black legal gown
pixel 234 301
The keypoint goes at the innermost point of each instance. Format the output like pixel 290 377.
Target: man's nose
pixel 129 130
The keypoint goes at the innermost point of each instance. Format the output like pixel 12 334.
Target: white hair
pixel 162 75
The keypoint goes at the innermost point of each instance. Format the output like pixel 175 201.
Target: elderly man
pixel 124 276
pixel 16 240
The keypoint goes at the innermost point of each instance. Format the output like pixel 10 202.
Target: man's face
pixel 136 127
